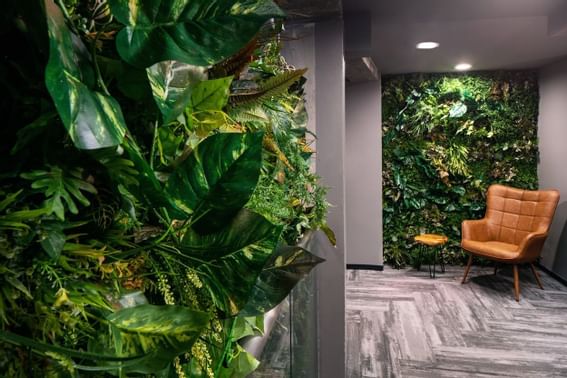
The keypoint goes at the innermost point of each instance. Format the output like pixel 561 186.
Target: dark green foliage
pixel 93 119
pixel 125 244
pixel 199 32
pixel 445 139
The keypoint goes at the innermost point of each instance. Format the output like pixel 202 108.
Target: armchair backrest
pixel 513 213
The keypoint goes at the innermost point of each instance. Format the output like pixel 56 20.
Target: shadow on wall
pixel 559 249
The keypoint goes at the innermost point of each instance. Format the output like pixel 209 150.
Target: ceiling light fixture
pixel 463 67
pixel 427 45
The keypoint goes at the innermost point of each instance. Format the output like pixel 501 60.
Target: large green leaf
pixel 217 179
pixel 231 278
pixel 172 84
pixel 149 190
pixel 199 32
pixel 245 229
pixel 207 101
pixel 162 332
pixel 241 365
pixel 92 119
pixel 247 326
pixel 52 238
pixel 286 267
pixel 211 94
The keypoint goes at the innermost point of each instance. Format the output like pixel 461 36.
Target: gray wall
pixel 552 169
pixel 363 161
pixel 320 48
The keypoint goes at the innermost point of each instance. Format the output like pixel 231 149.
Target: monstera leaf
pixel 285 268
pixel 172 84
pixel 217 179
pixel 198 32
pixel 92 119
pixel 159 332
pixel 245 229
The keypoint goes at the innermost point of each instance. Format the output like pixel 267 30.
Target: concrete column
pixel 330 125
pixel 363 161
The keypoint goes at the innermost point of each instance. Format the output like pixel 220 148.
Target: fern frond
pixel 267 89
pixel 254 114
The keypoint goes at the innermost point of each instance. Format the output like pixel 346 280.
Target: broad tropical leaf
pixel 457 110
pixel 211 94
pixel 240 366
pixel 198 32
pixel 285 268
pixel 217 179
pixel 52 238
pixel 92 119
pixel 150 190
pixel 172 84
pixel 245 229
pixel 207 101
pixel 231 278
pixel 247 326
pixel 12 338
pixel 161 332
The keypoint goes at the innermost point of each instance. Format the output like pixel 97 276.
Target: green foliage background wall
pixel 446 138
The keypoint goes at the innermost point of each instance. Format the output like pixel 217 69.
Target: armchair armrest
pixel 530 247
pixel 475 230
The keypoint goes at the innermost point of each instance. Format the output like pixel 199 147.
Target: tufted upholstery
pixel 515 225
pixel 514 228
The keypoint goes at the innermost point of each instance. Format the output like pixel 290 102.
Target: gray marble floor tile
pixel 401 323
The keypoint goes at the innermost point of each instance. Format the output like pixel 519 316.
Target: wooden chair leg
pixel 516 283
pixel 536 274
pixel 467 269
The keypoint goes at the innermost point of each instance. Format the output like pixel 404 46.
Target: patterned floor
pixel 401 323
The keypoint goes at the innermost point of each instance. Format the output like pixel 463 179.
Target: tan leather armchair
pixel 513 230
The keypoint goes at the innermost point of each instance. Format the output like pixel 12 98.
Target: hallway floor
pixel 401 323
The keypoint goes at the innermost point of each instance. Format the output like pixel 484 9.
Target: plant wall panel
pixel 445 139
pixel 155 180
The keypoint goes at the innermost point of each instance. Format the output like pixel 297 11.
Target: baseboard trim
pixel 365 267
pixel 553 274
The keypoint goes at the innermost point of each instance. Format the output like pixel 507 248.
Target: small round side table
pixel 431 240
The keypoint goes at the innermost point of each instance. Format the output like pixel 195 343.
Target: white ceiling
pixel 489 34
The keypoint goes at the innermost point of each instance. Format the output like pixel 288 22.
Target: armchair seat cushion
pixel 492 249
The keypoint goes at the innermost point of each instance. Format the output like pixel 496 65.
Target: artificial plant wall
pixel 445 139
pixel 154 182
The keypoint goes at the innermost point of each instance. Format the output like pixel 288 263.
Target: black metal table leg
pixel 419 257
pixel 434 262
pixel 442 259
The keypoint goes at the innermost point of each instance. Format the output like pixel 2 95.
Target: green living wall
pixel 154 183
pixel 446 138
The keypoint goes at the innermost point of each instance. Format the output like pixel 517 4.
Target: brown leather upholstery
pixel 515 225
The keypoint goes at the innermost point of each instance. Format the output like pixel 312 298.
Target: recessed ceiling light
pixel 463 67
pixel 427 45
